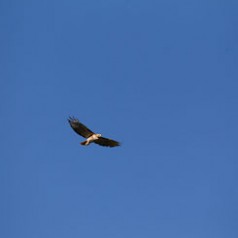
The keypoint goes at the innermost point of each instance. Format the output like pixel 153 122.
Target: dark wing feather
pixel 106 142
pixel 79 128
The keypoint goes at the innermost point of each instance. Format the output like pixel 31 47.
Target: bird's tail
pixel 84 143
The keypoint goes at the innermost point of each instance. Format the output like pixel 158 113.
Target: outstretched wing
pixel 106 142
pixel 79 128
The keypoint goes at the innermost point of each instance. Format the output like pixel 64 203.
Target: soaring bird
pixel 82 130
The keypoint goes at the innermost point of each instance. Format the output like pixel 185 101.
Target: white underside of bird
pixel 91 139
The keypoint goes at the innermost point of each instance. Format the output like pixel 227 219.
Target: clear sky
pixel 161 76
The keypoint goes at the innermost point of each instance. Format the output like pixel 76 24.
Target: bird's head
pixel 99 135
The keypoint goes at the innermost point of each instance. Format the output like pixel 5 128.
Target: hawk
pixel 82 130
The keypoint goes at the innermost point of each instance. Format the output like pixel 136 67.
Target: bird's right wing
pixel 106 142
pixel 79 128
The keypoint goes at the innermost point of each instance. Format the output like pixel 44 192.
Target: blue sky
pixel 159 76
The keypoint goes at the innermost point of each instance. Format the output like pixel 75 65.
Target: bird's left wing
pixel 106 142
pixel 79 128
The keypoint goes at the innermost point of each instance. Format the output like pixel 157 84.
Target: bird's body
pixel 92 137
